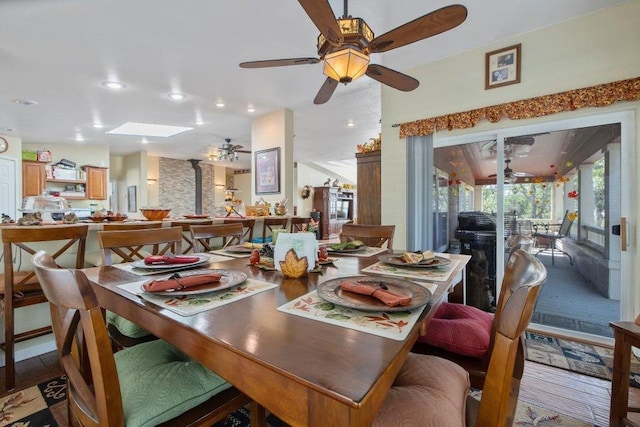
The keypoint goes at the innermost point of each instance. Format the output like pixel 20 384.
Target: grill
pixel 477 234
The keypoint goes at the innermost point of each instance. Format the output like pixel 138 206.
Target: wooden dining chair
pixel 432 391
pixel 95 258
pixel 299 224
pixel 228 234
pixel 149 384
pixel 21 288
pixel 269 223
pixel 465 334
pixel 247 224
pixel 371 235
pixel 186 231
pixel 121 246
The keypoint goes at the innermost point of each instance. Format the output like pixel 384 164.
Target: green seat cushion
pixel 158 382
pixel 126 327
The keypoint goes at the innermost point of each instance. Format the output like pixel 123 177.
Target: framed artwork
pixel 267 171
pixel 502 67
pixel 131 198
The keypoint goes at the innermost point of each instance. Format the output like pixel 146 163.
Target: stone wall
pixel 177 187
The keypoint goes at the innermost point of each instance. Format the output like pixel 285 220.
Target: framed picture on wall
pixel 502 67
pixel 267 171
pixel 131 198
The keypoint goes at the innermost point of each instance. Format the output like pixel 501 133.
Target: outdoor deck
pixel 569 301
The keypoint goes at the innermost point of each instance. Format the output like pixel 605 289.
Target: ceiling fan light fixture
pixel 345 65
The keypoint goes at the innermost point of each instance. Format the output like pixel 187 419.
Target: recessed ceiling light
pixel 144 140
pixel 113 84
pixel 250 109
pixel 350 123
pixel 176 96
pixel 219 104
pixel 198 122
pixel 98 125
pixel 25 102
pixel 79 138
pixel 148 129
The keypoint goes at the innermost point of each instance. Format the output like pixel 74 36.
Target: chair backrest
pixel 270 223
pixel 142 225
pixel 201 235
pixel 519 241
pixel 565 226
pixel 93 394
pixel 299 224
pixel 524 275
pixel 128 244
pixel 247 224
pixel 371 235
pixel 186 231
pixel 22 237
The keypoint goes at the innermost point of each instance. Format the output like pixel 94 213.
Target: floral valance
pixel 594 96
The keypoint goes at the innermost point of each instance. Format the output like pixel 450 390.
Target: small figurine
pixel 6 219
pixel 70 218
pixel 336 183
pixel 34 218
pixel 327 182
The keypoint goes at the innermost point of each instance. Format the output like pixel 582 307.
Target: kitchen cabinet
pixel 369 188
pixel 96 182
pixel 336 208
pixel 33 178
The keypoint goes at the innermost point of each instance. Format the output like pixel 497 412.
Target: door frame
pixel 628 294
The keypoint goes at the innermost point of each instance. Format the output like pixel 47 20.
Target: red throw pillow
pixel 460 329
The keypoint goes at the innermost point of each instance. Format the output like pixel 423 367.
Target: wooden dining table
pixel 306 372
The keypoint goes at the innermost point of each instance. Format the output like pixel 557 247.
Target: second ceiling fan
pixel 344 44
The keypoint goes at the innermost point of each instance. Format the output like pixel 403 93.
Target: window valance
pixel 594 96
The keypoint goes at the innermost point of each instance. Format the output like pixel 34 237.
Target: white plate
pixel 229 279
pixel 202 259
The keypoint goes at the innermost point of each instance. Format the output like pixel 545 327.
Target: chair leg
pixel 9 345
pixel 258 415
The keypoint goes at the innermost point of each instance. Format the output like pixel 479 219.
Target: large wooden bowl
pixel 155 214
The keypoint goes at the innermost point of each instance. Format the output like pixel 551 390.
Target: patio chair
pixel 149 384
pixel 549 238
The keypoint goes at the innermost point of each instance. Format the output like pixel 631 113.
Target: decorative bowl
pixel 116 218
pixel 155 214
pixel 97 218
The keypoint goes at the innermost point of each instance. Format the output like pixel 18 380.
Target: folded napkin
pixel 179 283
pixel 384 295
pixel 164 260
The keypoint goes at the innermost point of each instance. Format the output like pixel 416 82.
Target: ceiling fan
pixel 344 44
pixel 511 176
pixel 228 151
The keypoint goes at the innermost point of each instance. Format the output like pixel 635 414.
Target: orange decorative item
pixel 155 214
pixel 292 266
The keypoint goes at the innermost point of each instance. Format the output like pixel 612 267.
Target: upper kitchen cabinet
pixel 33 178
pixel 96 182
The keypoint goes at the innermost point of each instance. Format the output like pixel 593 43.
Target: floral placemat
pixel 128 266
pixel 367 252
pixel 188 305
pixel 395 325
pixel 440 274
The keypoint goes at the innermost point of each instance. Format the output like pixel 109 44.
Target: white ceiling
pixel 58 53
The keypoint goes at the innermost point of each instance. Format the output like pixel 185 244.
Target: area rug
pixel 44 405
pixel 585 359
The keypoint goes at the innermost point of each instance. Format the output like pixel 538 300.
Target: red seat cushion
pixel 460 329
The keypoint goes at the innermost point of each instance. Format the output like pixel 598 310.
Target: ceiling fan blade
pixel 278 62
pixel 328 87
pixel 322 16
pixel 392 78
pixel 431 24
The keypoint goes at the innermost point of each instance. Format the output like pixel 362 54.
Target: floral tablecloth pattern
pixel 189 305
pixel 395 325
pixel 430 274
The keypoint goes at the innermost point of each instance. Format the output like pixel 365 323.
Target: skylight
pixel 148 129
